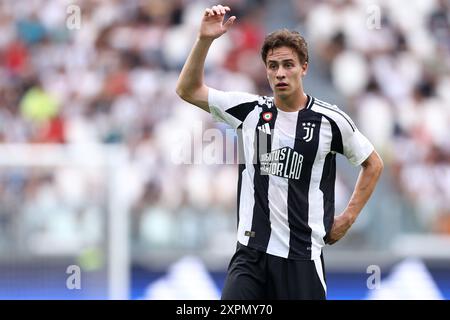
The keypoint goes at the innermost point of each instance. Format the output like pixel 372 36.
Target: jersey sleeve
pixel 356 147
pixel 231 107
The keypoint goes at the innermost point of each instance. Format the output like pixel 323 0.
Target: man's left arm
pixel 367 180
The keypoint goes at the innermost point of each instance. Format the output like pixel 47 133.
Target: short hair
pixel 285 38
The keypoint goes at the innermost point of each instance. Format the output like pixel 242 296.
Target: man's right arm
pixel 190 85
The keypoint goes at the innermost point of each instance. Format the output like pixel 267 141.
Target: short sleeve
pixel 231 107
pixel 357 147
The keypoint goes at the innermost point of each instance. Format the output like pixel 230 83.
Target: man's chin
pixel 282 94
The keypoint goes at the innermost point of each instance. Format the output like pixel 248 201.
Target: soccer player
pixel 286 181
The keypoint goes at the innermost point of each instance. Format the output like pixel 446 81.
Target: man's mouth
pixel 281 85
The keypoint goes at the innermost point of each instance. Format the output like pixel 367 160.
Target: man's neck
pixel 293 102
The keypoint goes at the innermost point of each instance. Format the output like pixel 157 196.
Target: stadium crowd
pixel 112 81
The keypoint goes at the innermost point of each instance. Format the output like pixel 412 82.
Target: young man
pixel 286 181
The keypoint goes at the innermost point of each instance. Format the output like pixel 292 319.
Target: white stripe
pixel 319 270
pixel 315 195
pixel 247 198
pixel 278 193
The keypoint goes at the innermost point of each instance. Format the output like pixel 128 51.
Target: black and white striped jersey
pixel 287 169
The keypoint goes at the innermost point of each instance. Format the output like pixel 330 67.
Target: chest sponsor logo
pixel 284 162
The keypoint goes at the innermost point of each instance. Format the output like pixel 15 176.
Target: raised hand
pixel 212 25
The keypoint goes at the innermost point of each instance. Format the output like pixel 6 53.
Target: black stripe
pixel 261 213
pixel 242 110
pixel 337 111
pixel 298 202
pixel 310 102
pixel 323 268
pixel 336 141
pixel 327 183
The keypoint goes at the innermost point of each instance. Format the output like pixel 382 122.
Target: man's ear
pixel 304 69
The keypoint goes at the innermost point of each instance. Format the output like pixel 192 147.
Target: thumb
pixel 229 22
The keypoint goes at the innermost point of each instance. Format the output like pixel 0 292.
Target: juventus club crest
pixel 309 128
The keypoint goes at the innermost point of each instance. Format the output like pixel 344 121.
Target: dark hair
pixel 285 38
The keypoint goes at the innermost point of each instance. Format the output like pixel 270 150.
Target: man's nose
pixel 280 73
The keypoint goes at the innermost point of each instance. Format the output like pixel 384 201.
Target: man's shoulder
pixel 261 100
pixel 233 97
pixel 332 111
pixel 318 103
pixel 242 98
